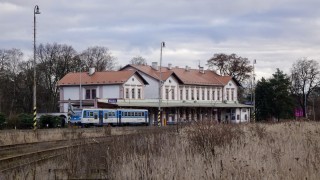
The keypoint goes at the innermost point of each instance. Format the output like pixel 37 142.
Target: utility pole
pixel 36 11
pixel 160 85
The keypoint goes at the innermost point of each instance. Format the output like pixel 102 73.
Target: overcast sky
pixel 274 32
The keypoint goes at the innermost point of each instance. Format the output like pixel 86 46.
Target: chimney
pixel 201 70
pixel 169 66
pixel 92 71
pixel 187 68
pixel 155 65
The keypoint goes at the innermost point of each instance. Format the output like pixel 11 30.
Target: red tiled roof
pixel 191 76
pixel 105 77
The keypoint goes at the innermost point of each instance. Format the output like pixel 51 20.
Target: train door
pixel 146 117
pixel 100 117
pixel 119 115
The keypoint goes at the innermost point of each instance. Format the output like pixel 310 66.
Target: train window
pixel 125 113
pixel 142 113
pixel 106 115
pixel 95 116
pixel 111 114
pixel 136 114
pixel 131 114
pixel 90 114
pixel 84 113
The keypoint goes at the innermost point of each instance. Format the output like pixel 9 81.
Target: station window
pixel 172 94
pixel 139 93
pixel 127 92
pixel 91 93
pixel 192 95
pixel 133 94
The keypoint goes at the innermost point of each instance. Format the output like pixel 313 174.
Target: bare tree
pixel 98 57
pixel 55 61
pixel 231 65
pixel 9 66
pixel 138 60
pixel 305 76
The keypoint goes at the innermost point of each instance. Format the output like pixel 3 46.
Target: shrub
pixel 206 136
pixel 50 121
pixel 26 121
pixel 13 121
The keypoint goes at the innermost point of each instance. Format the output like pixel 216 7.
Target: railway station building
pixel 182 94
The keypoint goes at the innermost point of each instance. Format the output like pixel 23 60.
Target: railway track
pixel 15 156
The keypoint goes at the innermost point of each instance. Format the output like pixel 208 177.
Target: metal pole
pixel 80 95
pixel 253 92
pixel 160 85
pixel 36 11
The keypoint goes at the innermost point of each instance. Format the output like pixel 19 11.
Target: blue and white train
pixel 115 117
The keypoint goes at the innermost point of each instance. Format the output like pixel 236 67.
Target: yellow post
pixel 159 118
pixel 34 118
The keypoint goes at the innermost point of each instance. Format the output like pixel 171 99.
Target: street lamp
pixel 160 84
pixel 253 91
pixel 36 11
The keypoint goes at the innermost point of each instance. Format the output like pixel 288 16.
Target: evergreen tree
pixel 273 99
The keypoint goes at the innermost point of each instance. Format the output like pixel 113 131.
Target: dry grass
pixel 288 150
pixel 206 151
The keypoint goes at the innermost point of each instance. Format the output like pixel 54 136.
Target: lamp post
pixel 253 91
pixel 35 11
pixel 160 84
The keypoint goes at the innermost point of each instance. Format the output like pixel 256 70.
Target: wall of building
pixel 227 91
pixel 70 92
pixel 151 91
pixel 170 85
pixel 110 91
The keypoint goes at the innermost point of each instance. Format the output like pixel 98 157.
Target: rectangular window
pixel 187 94
pixel 213 94
pixel 91 93
pixel 238 116
pixel 90 114
pixel 127 93
pixel 106 115
pixel 208 95
pixel 228 94
pixel 88 94
pixel 232 94
pixel 167 93
pixel 139 93
pixel 132 93
pixel 172 94
pixel 218 94
pixel 192 94
pixel 181 95
pixel 198 94
pixel 203 94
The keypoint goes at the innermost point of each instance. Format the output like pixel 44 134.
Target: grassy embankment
pixel 288 150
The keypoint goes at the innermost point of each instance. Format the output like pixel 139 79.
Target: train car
pixel 101 117
pixel 133 116
pixel 75 117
